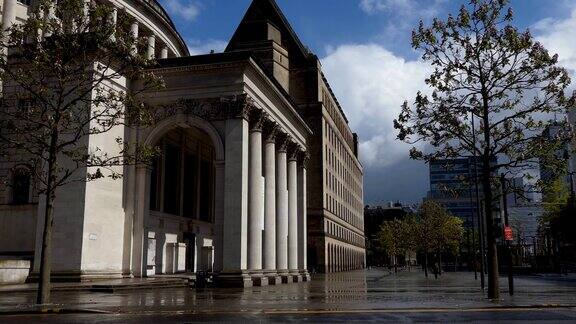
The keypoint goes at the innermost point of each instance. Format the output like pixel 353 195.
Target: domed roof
pixel 157 8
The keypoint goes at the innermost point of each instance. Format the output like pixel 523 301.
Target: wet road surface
pixel 371 295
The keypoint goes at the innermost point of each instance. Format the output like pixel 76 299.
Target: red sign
pixel 508 234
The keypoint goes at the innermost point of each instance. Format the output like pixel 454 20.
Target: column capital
pixel 271 131
pixel 282 142
pixel 293 151
pixel 239 106
pixel 303 159
pixel 257 118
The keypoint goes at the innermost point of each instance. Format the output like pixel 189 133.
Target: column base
pixel 233 280
pixel 305 275
pixel 273 277
pixel 296 276
pixel 285 276
pixel 259 280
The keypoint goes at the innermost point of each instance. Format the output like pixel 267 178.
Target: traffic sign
pixel 508 234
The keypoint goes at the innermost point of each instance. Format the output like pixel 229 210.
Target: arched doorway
pixel 178 199
pixel 182 202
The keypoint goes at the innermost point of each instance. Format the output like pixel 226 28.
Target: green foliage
pixel 390 237
pixel 438 230
pixel 556 196
pixel 432 230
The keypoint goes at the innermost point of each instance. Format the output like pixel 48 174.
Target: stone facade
pixel 335 201
pixel 258 180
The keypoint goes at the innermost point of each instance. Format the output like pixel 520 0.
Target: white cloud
pixel 184 9
pixel 374 6
pixel 556 36
pixel 197 47
pixel 413 8
pixel 371 83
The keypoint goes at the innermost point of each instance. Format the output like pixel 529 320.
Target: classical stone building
pixel 258 181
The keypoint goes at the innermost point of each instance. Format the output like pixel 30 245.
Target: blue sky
pixel 365 50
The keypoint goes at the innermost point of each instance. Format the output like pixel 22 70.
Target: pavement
pixel 370 295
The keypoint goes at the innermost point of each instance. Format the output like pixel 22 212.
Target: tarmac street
pixel 371 295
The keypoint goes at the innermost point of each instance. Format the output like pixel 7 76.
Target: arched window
pixel 20 186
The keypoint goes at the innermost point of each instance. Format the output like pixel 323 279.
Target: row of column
pixel 9 18
pixel 276 201
pixel 134 32
pixel 150 44
pixel 340 258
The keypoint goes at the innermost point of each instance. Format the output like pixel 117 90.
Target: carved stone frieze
pixel 219 108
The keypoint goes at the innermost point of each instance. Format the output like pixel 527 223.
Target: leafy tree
pixel 409 243
pixel 390 238
pixel 428 229
pixel 450 236
pixel 486 68
pixel 64 72
pixel 437 231
pixel 558 218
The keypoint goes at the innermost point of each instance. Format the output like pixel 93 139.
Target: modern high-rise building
pixel 452 185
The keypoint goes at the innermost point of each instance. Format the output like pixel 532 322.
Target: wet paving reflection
pixel 370 289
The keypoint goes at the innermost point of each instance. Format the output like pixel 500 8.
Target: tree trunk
pixel 440 263
pixel 46 252
pixel 492 252
pixel 426 264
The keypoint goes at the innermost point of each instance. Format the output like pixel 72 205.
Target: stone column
pixel 134 34
pixel 51 15
pixel 282 208
pixel 140 232
pixel 235 223
pixel 302 216
pixel 164 52
pixel 293 212
pixel 269 244
pixel 219 216
pixel 8 14
pixel 255 198
pixel 150 52
pixel 113 19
